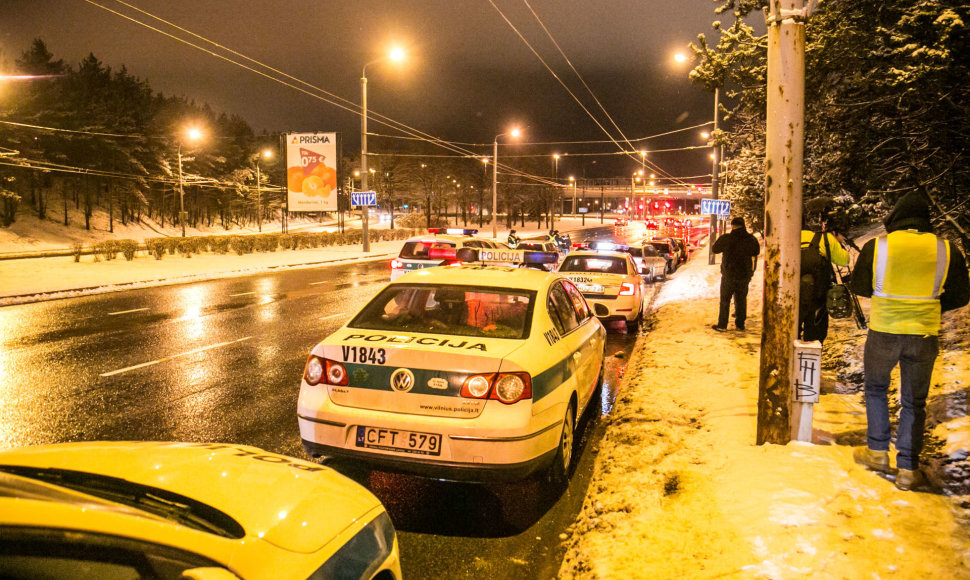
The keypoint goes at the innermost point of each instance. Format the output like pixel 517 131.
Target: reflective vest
pixel 908 272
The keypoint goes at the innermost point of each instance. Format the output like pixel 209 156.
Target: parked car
pixel 162 510
pixel 458 373
pixel 666 248
pixel 652 265
pixel 610 281
pixel 415 255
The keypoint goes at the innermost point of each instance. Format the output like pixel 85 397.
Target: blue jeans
pixel 915 355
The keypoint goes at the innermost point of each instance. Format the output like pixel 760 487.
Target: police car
pixel 650 263
pixel 415 255
pixel 473 372
pixel 186 510
pixel 610 281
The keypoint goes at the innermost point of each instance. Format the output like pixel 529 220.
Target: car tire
pixel 634 325
pixel 563 462
pixel 663 277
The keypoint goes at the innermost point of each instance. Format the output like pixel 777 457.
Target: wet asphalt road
pixel 221 361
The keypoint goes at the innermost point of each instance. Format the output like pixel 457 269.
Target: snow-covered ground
pixel 680 490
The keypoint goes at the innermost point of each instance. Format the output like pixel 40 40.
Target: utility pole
pixel 783 216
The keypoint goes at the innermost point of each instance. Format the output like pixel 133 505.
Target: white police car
pixel 469 372
pixel 186 510
pixel 610 281
pixel 415 254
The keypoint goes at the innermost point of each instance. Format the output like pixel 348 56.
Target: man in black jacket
pixel 740 251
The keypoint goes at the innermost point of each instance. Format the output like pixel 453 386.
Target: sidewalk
pixel 36 279
pixel 680 490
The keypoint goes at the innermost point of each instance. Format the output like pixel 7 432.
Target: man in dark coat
pixel 740 251
pixel 911 277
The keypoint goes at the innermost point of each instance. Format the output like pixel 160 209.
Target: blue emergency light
pixel 489 256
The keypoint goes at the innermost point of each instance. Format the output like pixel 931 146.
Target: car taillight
pixel 505 387
pixel 313 371
pixel 324 370
pixel 627 289
pixel 336 373
pixel 397 264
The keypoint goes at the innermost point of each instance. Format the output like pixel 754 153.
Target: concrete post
pixel 783 215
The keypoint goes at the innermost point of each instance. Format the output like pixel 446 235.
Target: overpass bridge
pixel 625 194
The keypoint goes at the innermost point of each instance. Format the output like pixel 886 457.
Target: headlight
pixel 314 371
pixel 362 555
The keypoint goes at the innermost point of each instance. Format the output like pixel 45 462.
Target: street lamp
pixel 268 154
pixel 396 55
pixel 193 134
pixel 513 133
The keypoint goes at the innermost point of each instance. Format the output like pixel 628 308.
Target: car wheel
pixel 563 462
pixel 663 276
pixel 634 325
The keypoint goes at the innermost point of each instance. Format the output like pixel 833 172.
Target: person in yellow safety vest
pixel 813 317
pixel 912 276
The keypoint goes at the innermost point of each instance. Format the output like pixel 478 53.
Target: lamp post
pixel 572 181
pixel 557 201
pixel 395 55
pixel 193 134
pixel 712 231
pixel 513 133
pixel 259 189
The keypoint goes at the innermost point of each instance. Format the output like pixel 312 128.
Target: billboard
pixel 311 171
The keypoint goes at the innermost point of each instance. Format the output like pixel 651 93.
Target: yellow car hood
pixel 293 504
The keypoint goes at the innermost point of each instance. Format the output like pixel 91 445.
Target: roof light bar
pixel 452 231
pixel 608 246
pixel 506 256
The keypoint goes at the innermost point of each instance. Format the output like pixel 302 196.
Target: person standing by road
pixel 513 239
pixel 912 276
pixel 740 251
pixel 813 317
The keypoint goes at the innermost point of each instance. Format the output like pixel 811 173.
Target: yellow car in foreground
pixel 110 510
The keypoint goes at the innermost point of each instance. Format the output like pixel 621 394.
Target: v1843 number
pixel 364 354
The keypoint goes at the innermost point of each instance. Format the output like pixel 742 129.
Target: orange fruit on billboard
pixel 294 179
pixel 327 174
pixel 313 185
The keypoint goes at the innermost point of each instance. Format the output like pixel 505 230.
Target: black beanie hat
pixel 737 222
pixel 912 211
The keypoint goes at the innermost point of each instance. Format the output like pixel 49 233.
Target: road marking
pixel 174 356
pixel 332 316
pixel 126 311
pixel 318 283
pixel 356 279
pixel 241 294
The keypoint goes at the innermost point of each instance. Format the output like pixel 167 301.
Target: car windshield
pixel 450 309
pixel 418 250
pixel 598 264
pixel 661 246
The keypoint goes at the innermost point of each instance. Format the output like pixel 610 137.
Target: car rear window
pixel 532 246
pixel 598 264
pixel 661 246
pixel 449 309
pixel 418 250
pixel 635 252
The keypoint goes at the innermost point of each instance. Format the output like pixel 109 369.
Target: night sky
pixel 467 77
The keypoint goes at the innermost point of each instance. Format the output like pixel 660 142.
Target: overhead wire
pixel 329 97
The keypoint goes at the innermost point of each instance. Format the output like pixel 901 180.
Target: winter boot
pixel 908 479
pixel 874 460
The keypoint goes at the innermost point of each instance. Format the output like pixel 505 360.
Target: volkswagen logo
pixel 402 380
